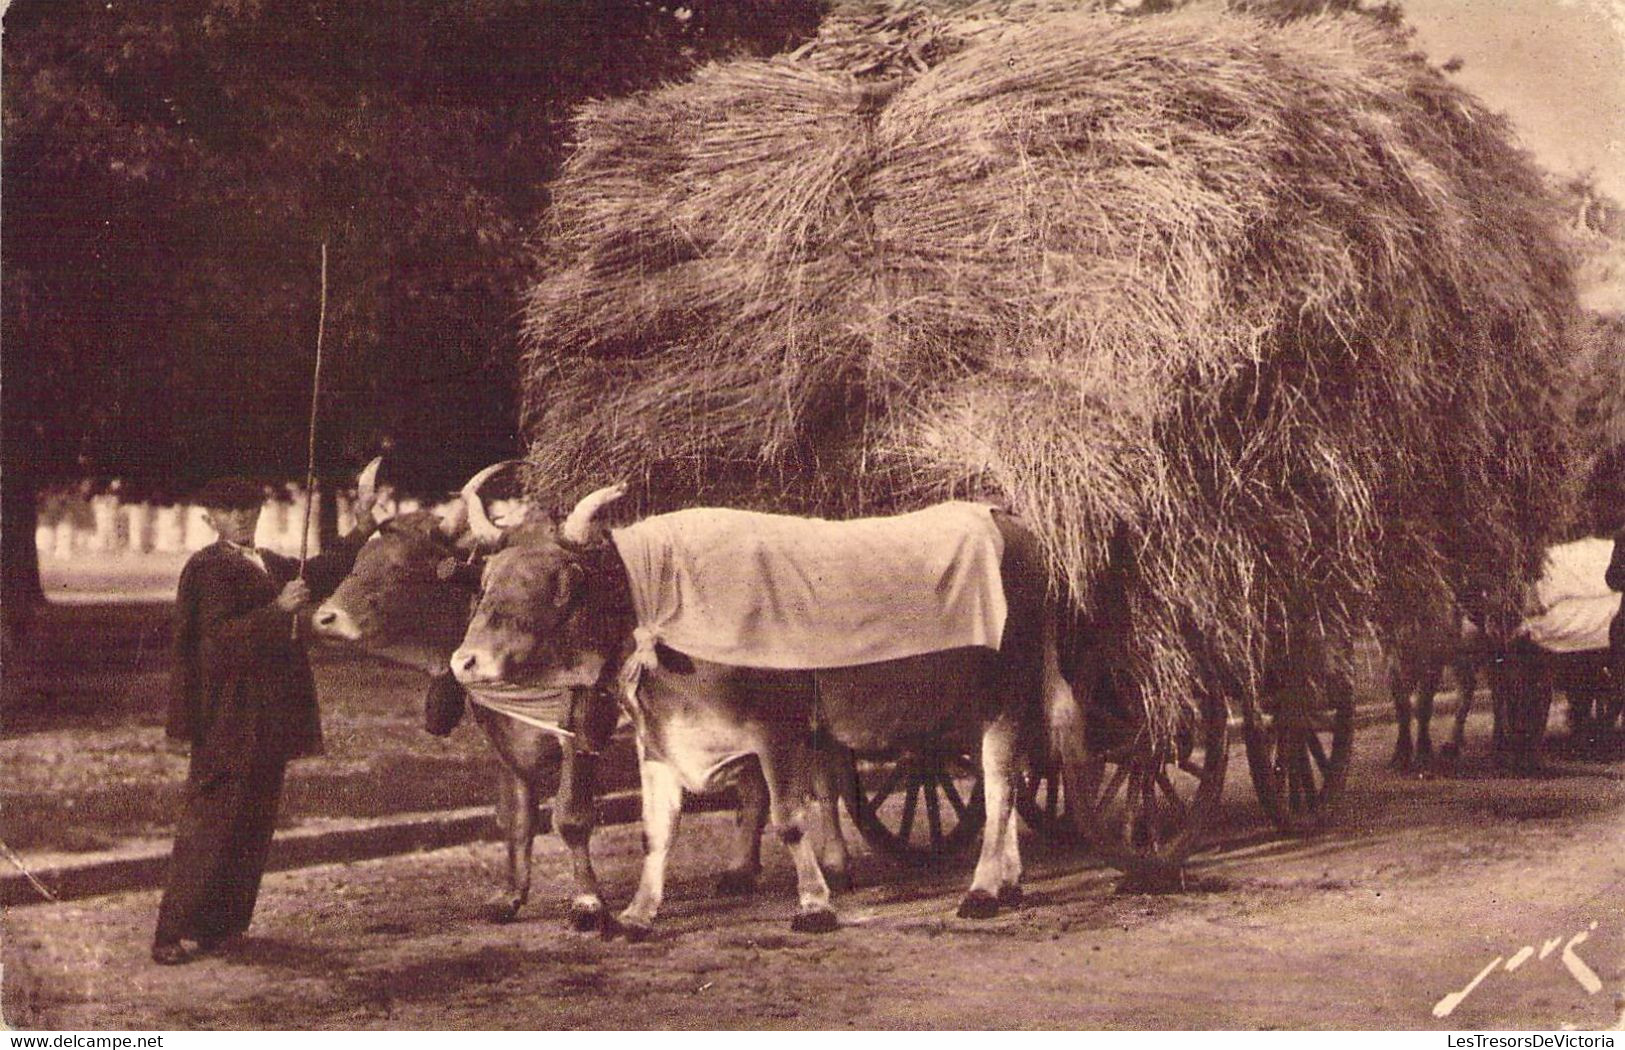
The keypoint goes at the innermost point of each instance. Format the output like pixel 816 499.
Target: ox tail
pixel 1063 723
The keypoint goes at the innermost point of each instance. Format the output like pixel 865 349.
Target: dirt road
pixel 1430 883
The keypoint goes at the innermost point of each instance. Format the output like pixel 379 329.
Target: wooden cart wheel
pixel 916 805
pixel 1298 748
pixel 1146 806
pixel 1042 802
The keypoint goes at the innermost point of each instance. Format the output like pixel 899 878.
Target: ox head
pixel 551 612
pixel 408 594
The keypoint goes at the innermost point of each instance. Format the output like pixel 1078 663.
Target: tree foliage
pixel 172 168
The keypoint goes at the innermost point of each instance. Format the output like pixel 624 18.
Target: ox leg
pixel 517 808
pixel 828 842
pixel 788 774
pixel 1010 894
pixel 999 846
pixel 573 812
pixel 1466 683
pixel 1427 688
pixel 662 806
pixel 1399 688
pixel 745 864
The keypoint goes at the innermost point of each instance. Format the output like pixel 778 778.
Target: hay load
pixel 1599 416
pixel 1258 326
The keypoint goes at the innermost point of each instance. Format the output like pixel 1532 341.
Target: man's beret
pixel 231 493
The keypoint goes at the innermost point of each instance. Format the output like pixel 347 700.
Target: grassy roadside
pixel 81 740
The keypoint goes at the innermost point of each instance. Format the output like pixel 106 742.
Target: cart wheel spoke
pixel 874 801
pixel 1172 794
pixel 1311 784
pixel 952 794
pixel 1149 812
pixel 933 815
pixel 1109 792
pixel 1298 746
pixel 910 802
pixel 1317 750
pixel 886 806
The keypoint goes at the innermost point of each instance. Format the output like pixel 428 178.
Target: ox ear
pixel 579 528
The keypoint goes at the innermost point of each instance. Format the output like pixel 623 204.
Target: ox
pixel 407 599
pixel 566 614
pixel 1562 645
pixel 1415 668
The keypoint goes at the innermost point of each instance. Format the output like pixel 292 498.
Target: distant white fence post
pixel 169 529
pixel 66 535
pixel 104 512
pixel 138 527
pixel 114 526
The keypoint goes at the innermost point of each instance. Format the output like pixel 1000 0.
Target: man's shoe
pixel 174 953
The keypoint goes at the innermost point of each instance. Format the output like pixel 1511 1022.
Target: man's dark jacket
pixel 242 692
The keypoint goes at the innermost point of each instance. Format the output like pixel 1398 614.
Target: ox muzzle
pixel 478 665
pixel 334 621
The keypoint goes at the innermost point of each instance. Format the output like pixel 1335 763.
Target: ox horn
pixel 366 483
pixel 485 530
pixel 578 527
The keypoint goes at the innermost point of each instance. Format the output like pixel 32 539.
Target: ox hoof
pixel 736 884
pixel 978 904
pixel 1010 896
pixel 500 911
pixel 1449 752
pixel 1400 761
pixel 587 920
pixel 839 880
pixel 821 920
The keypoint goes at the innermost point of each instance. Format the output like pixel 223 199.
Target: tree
pixel 173 166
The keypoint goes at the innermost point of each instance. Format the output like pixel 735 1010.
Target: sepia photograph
pixel 925 516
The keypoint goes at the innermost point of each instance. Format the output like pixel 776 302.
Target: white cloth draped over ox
pixel 771 591
pixel 1575 603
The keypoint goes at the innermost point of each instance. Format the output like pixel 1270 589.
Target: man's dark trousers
pixel 220 852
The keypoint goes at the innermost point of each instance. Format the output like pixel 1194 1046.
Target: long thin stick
pixel 310 452
pixel 11 855
pixel 315 396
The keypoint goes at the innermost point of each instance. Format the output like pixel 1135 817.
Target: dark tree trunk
pixel 20 590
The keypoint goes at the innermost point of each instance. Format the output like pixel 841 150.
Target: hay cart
pixel 1148 806
pixel 1212 304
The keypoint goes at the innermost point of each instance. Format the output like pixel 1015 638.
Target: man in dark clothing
pixel 243 697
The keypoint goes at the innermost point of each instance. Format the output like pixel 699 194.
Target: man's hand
pixel 295 593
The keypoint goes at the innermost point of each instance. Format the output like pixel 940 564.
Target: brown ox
pixel 1416 668
pixel 561 615
pixel 407 599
